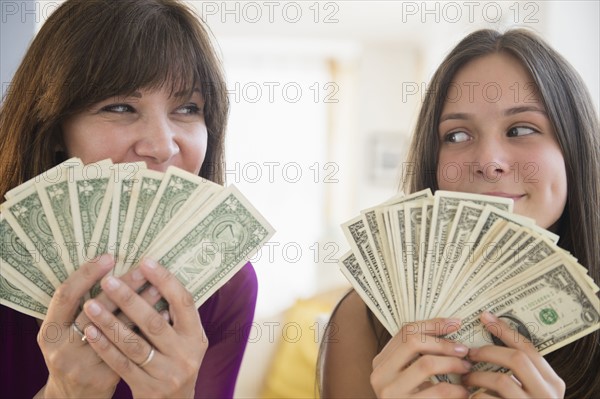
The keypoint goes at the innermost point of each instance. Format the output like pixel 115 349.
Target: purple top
pixel 226 317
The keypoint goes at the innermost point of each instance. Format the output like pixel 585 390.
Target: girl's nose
pixel 491 161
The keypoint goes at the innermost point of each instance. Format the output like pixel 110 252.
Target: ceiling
pixel 408 22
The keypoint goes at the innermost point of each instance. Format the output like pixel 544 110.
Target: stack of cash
pixel 422 256
pixel 202 232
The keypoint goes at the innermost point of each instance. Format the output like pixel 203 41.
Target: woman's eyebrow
pixel 188 92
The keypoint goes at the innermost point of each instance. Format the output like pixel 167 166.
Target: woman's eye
pixel 117 108
pixel 189 109
pixel 456 137
pixel 520 131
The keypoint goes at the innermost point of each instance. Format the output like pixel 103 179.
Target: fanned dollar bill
pixel 16 266
pixel 141 199
pixel 90 194
pixel 353 272
pixel 209 249
pixel 551 308
pixel 459 254
pixel 204 233
pixel 25 213
pixel 20 301
pixel 54 197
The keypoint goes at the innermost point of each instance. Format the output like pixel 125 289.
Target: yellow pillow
pixel 292 373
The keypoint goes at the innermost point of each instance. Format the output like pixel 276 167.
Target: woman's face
pixel 150 126
pixel 496 139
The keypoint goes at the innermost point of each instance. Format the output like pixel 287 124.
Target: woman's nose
pixel 156 143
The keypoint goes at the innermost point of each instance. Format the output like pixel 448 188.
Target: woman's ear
pixel 60 154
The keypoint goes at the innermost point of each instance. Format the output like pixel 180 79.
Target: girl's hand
pixel 73 366
pixel 402 369
pixel 164 361
pixel 532 375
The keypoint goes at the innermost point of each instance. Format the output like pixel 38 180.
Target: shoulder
pixel 243 284
pixel 350 344
pixel 351 320
pixel 350 304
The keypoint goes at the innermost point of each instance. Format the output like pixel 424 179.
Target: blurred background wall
pixel 324 95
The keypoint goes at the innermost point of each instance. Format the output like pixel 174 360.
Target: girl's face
pixel 496 139
pixel 150 126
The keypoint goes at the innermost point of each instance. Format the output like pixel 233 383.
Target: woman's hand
pixel 73 366
pixel 532 375
pixel 164 361
pixel 402 369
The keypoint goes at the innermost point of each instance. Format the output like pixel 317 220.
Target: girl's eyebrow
pixel 458 115
pixel 506 112
pixel 525 108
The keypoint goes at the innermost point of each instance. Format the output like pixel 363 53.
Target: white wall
pixel 580 43
pixel 377 53
pixel 378 50
pixel 381 55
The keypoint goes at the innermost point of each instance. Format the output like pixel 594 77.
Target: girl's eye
pixel 520 131
pixel 118 108
pixel 189 109
pixel 456 137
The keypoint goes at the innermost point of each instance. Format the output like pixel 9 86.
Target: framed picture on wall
pixel 387 152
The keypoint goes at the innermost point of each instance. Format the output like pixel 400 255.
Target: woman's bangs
pixel 164 56
pixel 171 62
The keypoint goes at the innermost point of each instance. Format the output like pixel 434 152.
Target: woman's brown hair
pixel 575 122
pixel 91 50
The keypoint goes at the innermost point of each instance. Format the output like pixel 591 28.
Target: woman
pixel 131 81
pixel 518 121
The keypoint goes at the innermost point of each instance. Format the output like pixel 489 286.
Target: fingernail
pixel 467 364
pixel 112 283
pixel 137 275
pixel 93 308
pixel 165 315
pixel 461 349
pixel 92 333
pixel 153 291
pixel 489 317
pixel 105 260
pixel 150 264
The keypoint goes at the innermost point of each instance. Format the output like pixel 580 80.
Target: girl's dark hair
pixel 571 113
pixel 91 50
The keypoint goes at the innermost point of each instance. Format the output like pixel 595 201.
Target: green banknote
pixel 26 216
pixel 212 246
pixel 15 257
